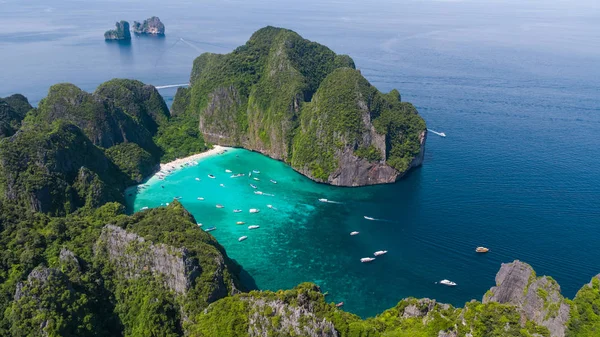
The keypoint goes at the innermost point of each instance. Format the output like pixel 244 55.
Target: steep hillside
pixel 12 112
pixel 276 93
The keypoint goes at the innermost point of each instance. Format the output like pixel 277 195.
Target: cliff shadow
pixel 246 280
pixel 123 48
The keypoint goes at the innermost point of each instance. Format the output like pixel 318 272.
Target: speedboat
pixel 228 171
pixel 240 223
pixel 144 208
pixel 197 179
pixel 200 198
pixel 210 229
pixel 448 283
pixel 237 211
pixel 253 227
pixel 220 206
pixel 199 224
pixel 258 192
pixel 369 218
pixel 442 134
pixel 270 206
pixel 482 250
pixel 380 252
pixel 177 198
pixel 255 171
pixel 242 238
pixel 211 176
pixel 256 179
pixel 353 233
pixel 273 181
pixel 367 259
pixel 222 185
pixel 339 304
pixel 323 200
pixel 253 186
pixel 254 210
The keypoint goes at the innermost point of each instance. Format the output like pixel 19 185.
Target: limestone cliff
pixel 297 101
pixel 151 26
pixel 121 32
pixel 537 298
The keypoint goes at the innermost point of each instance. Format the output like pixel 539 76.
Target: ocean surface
pixel 515 86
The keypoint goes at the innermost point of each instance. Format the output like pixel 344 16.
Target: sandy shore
pixel 167 168
pixel 175 164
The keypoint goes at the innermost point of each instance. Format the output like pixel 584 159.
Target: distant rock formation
pixel 120 33
pixel 151 26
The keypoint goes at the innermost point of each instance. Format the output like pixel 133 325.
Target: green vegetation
pixel 132 160
pixel 121 32
pixel 12 112
pixel 298 101
pixel 585 311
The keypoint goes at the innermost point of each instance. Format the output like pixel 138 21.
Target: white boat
pixel 258 192
pixel 254 210
pixel 273 181
pixel 228 171
pixel 323 200
pixel 210 229
pixel 177 198
pixel 448 283
pixel 220 206
pixel 144 208
pixel 270 206
pixel 240 223
pixel 211 176
pixel 197 179
pixel 354 233
pixel 380 252
pixel 256 179
pixel 253 186
pixel 367 259
pixel 253 227
pixel 199 224
pixel 255 171
pixel 167 204
pixel 237 211
pixel 442 134
pixel 369 218
pixel 242 238
pixel 200 198
pixel 222 185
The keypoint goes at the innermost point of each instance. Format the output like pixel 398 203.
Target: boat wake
pixel 171 86
pixel 330 201
pixel 441 134
pixel 374 219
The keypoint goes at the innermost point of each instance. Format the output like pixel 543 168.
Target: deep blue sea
pixel 515 85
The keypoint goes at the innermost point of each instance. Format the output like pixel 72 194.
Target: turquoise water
pixel 513 84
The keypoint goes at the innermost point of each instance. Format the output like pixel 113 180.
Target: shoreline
pixel 165 169
pixel 177 163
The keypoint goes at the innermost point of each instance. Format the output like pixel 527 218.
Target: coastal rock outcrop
pixel 297 101
pixel 121 32
pixel 152 26
pixel 537 298
pixel 132 256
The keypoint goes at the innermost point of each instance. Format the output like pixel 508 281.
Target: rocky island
pixel 121 32
pixel 151 26
pixel 297 101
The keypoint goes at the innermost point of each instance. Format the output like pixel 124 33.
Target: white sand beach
pixel 177 163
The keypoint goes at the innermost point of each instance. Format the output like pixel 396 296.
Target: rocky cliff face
pixel 121 32
pixel 297 101
pixel 133 256
pixel 151 26
pixel 12 112
pixel 537 298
